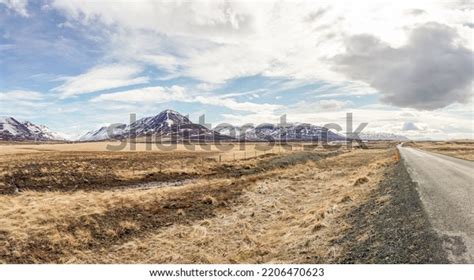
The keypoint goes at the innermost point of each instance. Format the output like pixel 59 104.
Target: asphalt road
pixel 446 188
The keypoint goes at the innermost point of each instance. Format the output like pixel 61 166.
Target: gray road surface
pixel 446 188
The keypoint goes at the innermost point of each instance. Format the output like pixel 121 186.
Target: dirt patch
pixel 67 171
pixel 391 227
pixel 104 171
pixel 271 162
pixel 99 231
pixel 41 177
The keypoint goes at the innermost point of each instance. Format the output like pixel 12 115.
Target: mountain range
pixel 172 125
pixel 14 130
pixel 288 132
pixel 168 124
pixel 382 136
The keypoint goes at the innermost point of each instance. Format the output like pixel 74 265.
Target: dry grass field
pixel 463 149
pixel 78 203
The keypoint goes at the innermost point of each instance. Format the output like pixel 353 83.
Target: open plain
pixel 81 203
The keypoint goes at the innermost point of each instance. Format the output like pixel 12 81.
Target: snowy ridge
pixel 170 124
pixel 103 133
pixel 167 124
pixel 289 132
pixel 12 129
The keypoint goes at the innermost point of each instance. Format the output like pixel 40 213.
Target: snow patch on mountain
pixel 103 133
pixel 288 132
pixel 171 124
pixel 167 124
pixel 12 129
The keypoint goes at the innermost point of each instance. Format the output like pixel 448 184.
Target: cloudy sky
pixel 403 67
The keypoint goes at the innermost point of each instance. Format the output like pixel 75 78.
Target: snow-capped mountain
pixel 12 129
pixel 167 124
pixel 382 136
pixel 289 132
pixel 103 133
pixel 171 124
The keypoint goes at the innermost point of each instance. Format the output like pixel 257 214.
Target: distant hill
pixel 289 132
pixel 102 133
pixel 382 136
pixel 14 130
pixel 168 124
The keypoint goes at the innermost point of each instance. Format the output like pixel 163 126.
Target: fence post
pixel 220 158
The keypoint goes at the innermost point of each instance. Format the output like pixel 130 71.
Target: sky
pixel 403 67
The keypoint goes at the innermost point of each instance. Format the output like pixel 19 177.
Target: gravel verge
pixel 392 226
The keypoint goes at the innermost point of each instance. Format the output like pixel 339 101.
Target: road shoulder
pixel 392 226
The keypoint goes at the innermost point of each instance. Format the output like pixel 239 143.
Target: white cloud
pixel 209 18
pixel 251 93
pixel 254 118
pixel 215 41
pixel 145 95
pixel 206 87
pixel 26 95
pixel 334 105
pixel 218 41
pixel 343 89
pixel 235 105
pixel 19 6
pixel 23 103
pixel 440 124
pixel 430 72
pixel 176 93
pixel 166 62
pixel 323 105
pixel 101 78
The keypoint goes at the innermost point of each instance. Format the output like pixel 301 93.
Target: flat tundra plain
pixel 80 203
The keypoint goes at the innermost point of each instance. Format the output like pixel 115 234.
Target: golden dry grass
pixel 463 149
pixel 289 217
pixel 105 146
pixel 245 211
